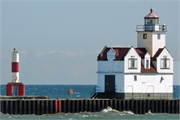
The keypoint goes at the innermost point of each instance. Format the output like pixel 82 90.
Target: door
pixel 110 83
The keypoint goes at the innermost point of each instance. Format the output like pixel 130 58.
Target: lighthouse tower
pixel 151 35
pixel 15 66
pixel 19 87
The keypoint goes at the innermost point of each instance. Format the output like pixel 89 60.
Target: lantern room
pixel 151 21
pixel 151 18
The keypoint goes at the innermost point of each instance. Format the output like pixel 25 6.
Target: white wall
pixel 129 84
pixel 119 83
pixel 104 66
pixel 158 43
pixel 145 43
pixel 100 85
pixel 147 83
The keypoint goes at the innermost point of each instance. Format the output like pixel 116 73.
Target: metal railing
pixel 93 93
pixel 147 89
pixel 168 89
pixel 139 93
pixel 151 28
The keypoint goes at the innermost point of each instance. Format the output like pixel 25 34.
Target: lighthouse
pixel 145 71
pixel 19 87
pixel 15 66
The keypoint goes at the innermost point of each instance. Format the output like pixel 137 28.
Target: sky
pixel 59 40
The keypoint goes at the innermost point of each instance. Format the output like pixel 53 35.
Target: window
pixel 132 63
pixel 151 21
pixel 165 63
pixel 144 36
pixel 147 64
pixel 158 36
pixel 135 78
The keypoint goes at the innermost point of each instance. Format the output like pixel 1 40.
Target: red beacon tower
pixel 19 87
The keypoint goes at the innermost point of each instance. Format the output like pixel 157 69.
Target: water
pixel 98 115
pixel 56 91
pixel 80 92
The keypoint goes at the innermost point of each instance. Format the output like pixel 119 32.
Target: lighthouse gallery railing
pixel 151 28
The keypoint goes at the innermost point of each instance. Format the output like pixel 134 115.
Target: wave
pixel 78 96
pixel 107 113
pixel 110 110
pixel 149 113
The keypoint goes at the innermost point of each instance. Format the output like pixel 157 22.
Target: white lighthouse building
pixel 142 72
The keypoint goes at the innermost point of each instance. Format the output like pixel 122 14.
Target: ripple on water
pixel 107 113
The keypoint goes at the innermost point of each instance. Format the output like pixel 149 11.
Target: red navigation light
pixel 70 92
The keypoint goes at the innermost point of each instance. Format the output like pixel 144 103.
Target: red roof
pixel 121 52
pixel 151 15
pixel 157 54
pixel 141 52
pixel 151 70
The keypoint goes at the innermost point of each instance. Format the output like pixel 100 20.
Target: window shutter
pixel 129 63
pixel 162 63
pixel 168 63
pixel 135 63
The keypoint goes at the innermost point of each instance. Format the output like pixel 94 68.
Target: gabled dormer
pixel 111 54
pixel 132 61
pixel 147 61
pixel 110 58
pixel 163 61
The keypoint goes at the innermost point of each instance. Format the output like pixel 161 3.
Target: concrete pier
pixel 52 106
